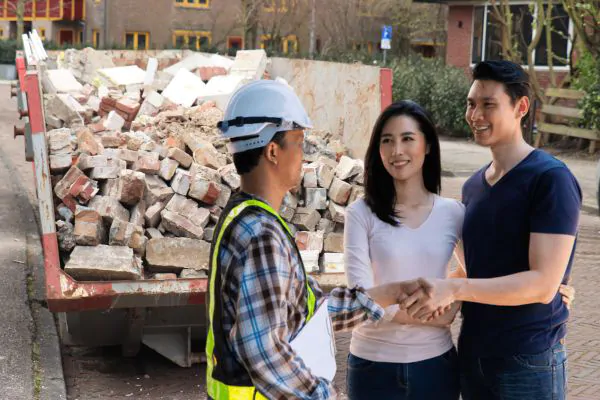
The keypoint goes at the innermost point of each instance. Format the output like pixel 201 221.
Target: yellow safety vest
pixel 218 390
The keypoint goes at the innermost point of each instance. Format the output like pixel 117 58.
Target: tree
pixel 585 15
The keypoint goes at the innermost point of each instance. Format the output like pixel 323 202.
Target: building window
pixel 42 34
pixel 1 33
pixel 137 40
pixel 272 5
pixel 95 38
pixel 193 3
pixel 487 35
pixel 192 39
pixel 80 37
pixel 66 36
pixel 235 42
pixel 290 44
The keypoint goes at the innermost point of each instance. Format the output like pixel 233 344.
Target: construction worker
pixel 269 325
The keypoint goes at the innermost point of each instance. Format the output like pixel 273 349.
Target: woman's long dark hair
pixel 380 192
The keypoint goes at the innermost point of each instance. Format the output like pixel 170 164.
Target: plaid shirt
pixel 264 302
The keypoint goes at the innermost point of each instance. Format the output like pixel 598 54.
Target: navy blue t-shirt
pixel 539 195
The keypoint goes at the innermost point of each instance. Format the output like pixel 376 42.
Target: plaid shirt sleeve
pixel 259 336
pixel 348 308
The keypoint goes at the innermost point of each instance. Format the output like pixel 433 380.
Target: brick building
pixel 280 25
pixel 474 34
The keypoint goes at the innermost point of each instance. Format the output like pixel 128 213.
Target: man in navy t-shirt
pixel 522 213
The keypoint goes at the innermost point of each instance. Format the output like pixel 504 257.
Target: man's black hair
pixel 246 161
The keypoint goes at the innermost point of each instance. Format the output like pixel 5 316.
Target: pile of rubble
pixel 140 179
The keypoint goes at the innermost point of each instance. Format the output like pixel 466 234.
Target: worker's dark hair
pixel 512 76
pixel 380 192
pixel 246 161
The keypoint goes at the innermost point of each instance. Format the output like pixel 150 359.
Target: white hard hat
pixel 260 109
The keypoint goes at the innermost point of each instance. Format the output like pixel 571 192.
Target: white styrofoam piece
pixel 185 88
pixel 251 64
pixel 333 262
pixel 190 63
pixel 151 71
pixel 123 76
pixel 220 88
pixel 61 81
pixel 310 259
pixel 221 61
pixel 114 121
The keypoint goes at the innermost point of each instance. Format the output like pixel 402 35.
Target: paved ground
pixel 103 373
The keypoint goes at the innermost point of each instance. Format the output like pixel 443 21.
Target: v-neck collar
pixel 510 171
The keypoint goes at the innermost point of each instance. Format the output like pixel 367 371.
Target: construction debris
pixel 143 174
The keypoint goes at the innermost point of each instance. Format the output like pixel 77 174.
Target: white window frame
pixel 488 4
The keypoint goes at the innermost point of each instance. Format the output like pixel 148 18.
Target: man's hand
pixel 396 292
pixel 441 294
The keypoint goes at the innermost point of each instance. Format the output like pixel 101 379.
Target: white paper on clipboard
pixel 315 344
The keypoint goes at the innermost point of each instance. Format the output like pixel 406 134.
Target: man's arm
pixel 553 220
pixel 260 335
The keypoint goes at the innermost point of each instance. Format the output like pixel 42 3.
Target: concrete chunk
pixel 356 193
pixel 64 107
pixel 157 190
pixel 175 254
pixel 111 171
pixel 192 274
pixel 348 168
pixel 59 141
pixel 87 143
pixel 65 236
pixel 338 213
pixel 339 191
pixel 180 226
pixel 230 176
pixel 333 263
pixel 102 263
pixel 326 225
pixel 310 259
pixel 131 187
pixel 181 182
pixel 89 229
pixel 168 168
pixel 152 215
pixel 334 243
pixel 204 190
pixel 325 175
pixel 147 163
pixel 180 156
pixel 109 208
pixel 112 139
pixel 310 176
pixel 306 219
pixel 250 64
pixel 123 233
pixel 60 162
pixel 60 81
pixel 86 162
pixel 129 156
pixel 312 241
pixel 153 233
pixel 224 196
pixel 138 214
pixel 316 198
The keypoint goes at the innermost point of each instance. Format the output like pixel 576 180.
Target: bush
pixel 588 79
pixel 439 88
pixel 8 49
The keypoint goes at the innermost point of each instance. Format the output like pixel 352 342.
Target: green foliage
pixel 8 49
pixel 588 80
pixel 439 88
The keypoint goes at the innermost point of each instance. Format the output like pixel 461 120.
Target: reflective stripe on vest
pixel 216 389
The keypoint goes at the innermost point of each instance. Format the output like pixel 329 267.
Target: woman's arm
pixel 459 257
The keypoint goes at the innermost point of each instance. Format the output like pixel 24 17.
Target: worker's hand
pixel 568 295
pixel 396 292
pixel 441 294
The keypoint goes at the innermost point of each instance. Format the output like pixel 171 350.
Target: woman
pixel 401 230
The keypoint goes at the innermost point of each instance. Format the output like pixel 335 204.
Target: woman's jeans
pixel 540 376
pixel 433 379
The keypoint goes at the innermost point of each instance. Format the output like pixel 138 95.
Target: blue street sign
pixel 386 32
pixel 386 37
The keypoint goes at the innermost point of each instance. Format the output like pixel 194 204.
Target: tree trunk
pixel 20 23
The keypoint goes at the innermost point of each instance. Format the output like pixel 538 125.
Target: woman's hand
pixel 568 295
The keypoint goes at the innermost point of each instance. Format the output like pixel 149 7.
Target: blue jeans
pixel 433 379
pixel 540 376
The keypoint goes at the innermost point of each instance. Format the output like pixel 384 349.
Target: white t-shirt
pixel 377 253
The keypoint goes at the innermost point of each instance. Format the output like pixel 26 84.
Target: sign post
pixel 386 40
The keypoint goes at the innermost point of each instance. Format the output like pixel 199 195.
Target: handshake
pixel 422 299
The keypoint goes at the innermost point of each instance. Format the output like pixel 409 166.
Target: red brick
pixel 128 106
pixel 108 101
pixel 70 202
